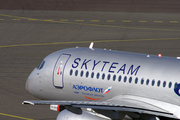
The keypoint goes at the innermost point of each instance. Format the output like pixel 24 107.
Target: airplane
pixel 99 84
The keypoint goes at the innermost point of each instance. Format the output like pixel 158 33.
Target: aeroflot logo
pixel 86 88
pixel 111 67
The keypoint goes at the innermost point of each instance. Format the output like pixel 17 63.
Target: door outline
pixel 61 77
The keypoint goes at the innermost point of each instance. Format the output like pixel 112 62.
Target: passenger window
pixel 136 80
pixel 71 72
pixel 103 76
pixel 119 79
pixel 175 85
pixel 92 74
pixel 164 84
pixel 81 74
pixel 170 84
pixel 125 78
pixel 130 79
pixel 76 72
pixel 142 81
pixel 97 76
pixel 109 76
pixel 153 82
pixel 87 74
pixel 158 83
pixel 147 82
pixel 114 77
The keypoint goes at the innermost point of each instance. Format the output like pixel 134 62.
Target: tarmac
pixel 31 29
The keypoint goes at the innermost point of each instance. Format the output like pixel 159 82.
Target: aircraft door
pixel 58 71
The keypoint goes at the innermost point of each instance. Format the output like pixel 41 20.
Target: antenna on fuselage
pixel 91 46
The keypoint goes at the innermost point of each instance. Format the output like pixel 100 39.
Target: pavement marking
pixel 6 15
pixel 13 116
pixel 48 20
pixel 100 41
pixel 79 20
pixel 158 21
pixel 94 20
pixel 142 21
pixel 97 25
pixel 126 21
pixel 123 27
pixel 1 19
pixel 173 21
pixel 110 20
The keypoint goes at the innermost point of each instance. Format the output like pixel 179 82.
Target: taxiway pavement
pixel 28 35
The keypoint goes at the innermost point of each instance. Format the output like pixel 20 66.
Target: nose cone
pixel 31 83
pixel 27 85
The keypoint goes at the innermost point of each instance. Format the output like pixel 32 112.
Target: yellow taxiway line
pixel 14 116
pixel 97 25
pixel 76 42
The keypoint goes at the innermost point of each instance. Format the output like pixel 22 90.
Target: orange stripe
pixel 92 98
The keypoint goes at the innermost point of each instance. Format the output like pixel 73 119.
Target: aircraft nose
pixel 26 86
pixel 31 83
pixel 34 83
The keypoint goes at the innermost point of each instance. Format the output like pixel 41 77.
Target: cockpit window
pixel 41 65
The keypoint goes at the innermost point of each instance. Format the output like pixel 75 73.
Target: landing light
pixel 159 55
